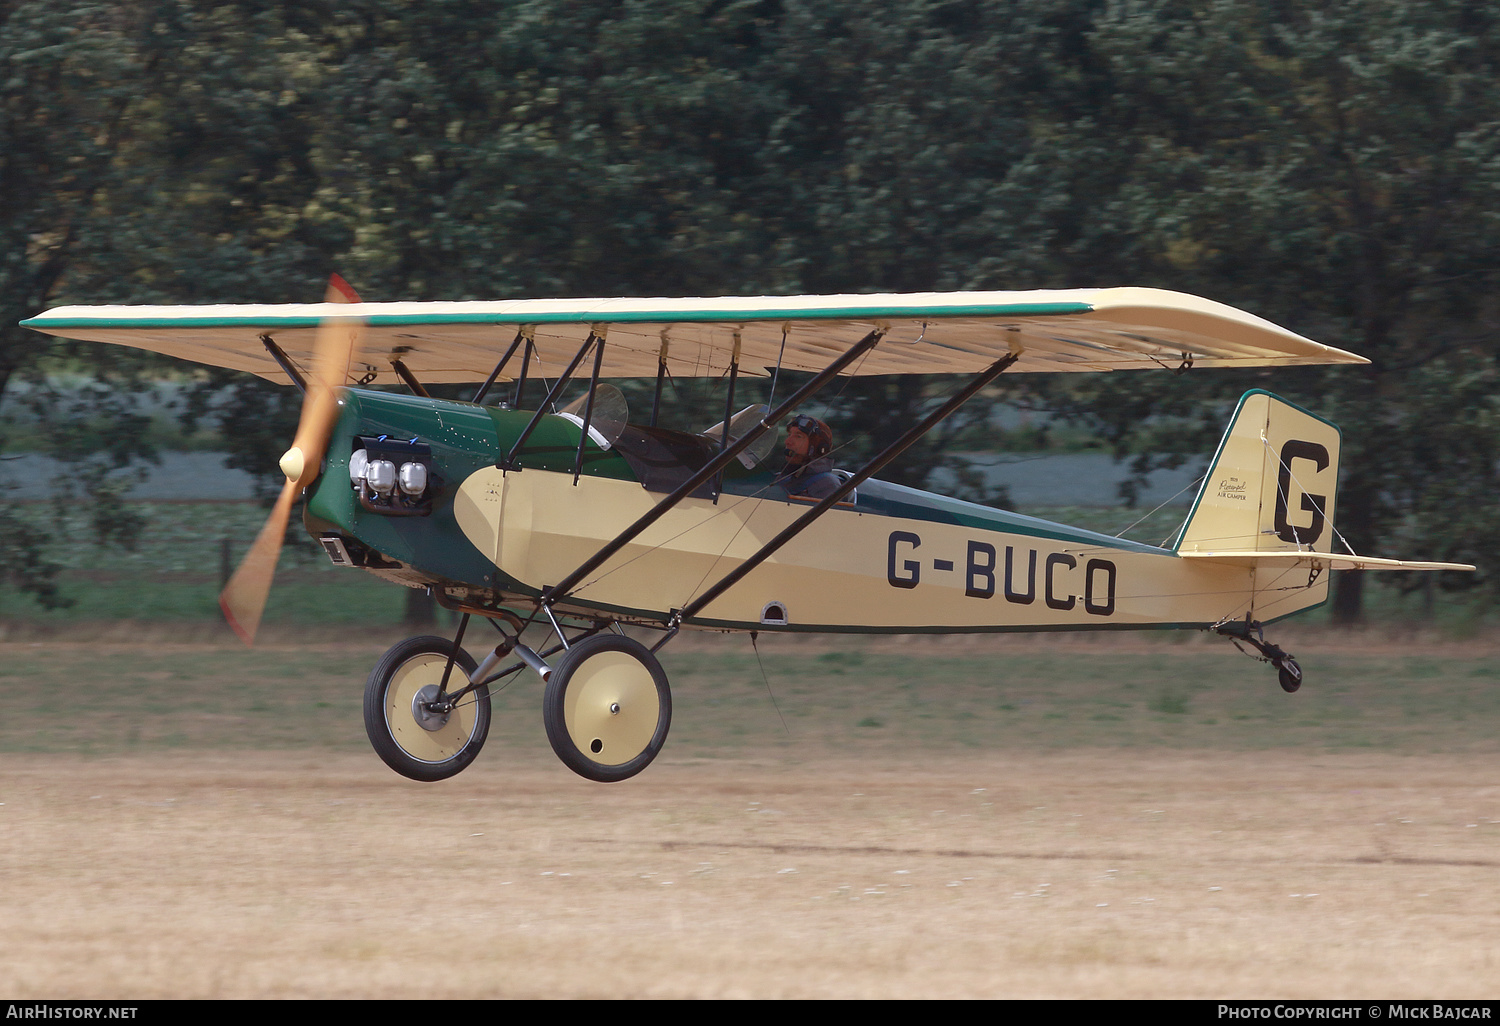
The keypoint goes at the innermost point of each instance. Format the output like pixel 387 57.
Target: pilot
pixel 809 467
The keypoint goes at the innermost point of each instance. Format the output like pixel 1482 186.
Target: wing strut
pixel 588 413
pixel 661 375
pixel 521 333
pixel 891 451
pixel 407 376
pixel 509 463
pixel 734 373
pixel 515 402
pixel 285 362
pixel 561 589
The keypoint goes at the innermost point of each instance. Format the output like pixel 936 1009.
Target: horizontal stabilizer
pixel 1319 560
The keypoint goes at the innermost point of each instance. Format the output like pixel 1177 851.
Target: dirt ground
pixel 1088 873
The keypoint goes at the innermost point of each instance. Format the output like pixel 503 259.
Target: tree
pixel 1333 169
pixel 65 74
pixel 149 152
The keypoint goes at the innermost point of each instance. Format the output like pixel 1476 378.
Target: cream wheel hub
pixel 612 708
pixel 423 734
pixel 607 707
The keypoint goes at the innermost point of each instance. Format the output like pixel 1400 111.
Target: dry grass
pixel 1028 819
pixel 1084 874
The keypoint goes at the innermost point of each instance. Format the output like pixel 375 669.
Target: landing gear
pixel 1289 674
pixel 1252 633
pixel 414 723
pixel 607 708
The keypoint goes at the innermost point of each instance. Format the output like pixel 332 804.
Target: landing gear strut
pixel 1252 633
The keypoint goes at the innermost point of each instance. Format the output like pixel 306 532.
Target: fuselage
pixel 895 560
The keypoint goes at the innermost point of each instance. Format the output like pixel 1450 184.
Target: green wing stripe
pixel 838 313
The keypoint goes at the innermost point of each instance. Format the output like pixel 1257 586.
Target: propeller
pixel 244 597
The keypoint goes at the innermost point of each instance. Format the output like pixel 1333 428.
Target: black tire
pixel 1289 675
pixel 448 743
pixel 607 708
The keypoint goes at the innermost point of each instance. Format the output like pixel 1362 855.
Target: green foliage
pixel 24 564
pixel 255 420
pixel 148 153
pixel 1332 167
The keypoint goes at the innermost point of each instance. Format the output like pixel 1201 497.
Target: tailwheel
pixel 1289 674
pixel 416 733
pixel 607 708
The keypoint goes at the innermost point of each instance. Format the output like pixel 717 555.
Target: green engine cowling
pixel 414 539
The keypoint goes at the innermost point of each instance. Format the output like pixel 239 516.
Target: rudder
pixel 1272 485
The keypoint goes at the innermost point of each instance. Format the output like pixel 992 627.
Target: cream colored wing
pixel 925 333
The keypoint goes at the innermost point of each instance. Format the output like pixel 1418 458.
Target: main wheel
pixel 408 733
pixel 607 708
pixel 1289 675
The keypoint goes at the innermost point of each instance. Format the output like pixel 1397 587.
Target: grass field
pixel 1015 816
pixel 798 698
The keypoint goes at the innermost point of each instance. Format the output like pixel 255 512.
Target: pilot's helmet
pixel 819 437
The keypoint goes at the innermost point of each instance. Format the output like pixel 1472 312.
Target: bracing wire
pixel 1191 484
pixel 774 704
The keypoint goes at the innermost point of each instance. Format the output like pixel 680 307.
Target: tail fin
pixel 1272 484
pixel 1267 504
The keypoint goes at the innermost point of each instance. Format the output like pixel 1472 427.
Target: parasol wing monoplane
pixel 584 521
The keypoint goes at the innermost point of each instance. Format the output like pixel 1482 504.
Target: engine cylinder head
pixel 358 463
pixel 413 479
pixel 380 475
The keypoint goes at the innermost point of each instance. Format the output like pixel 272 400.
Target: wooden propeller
pixel 244 597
